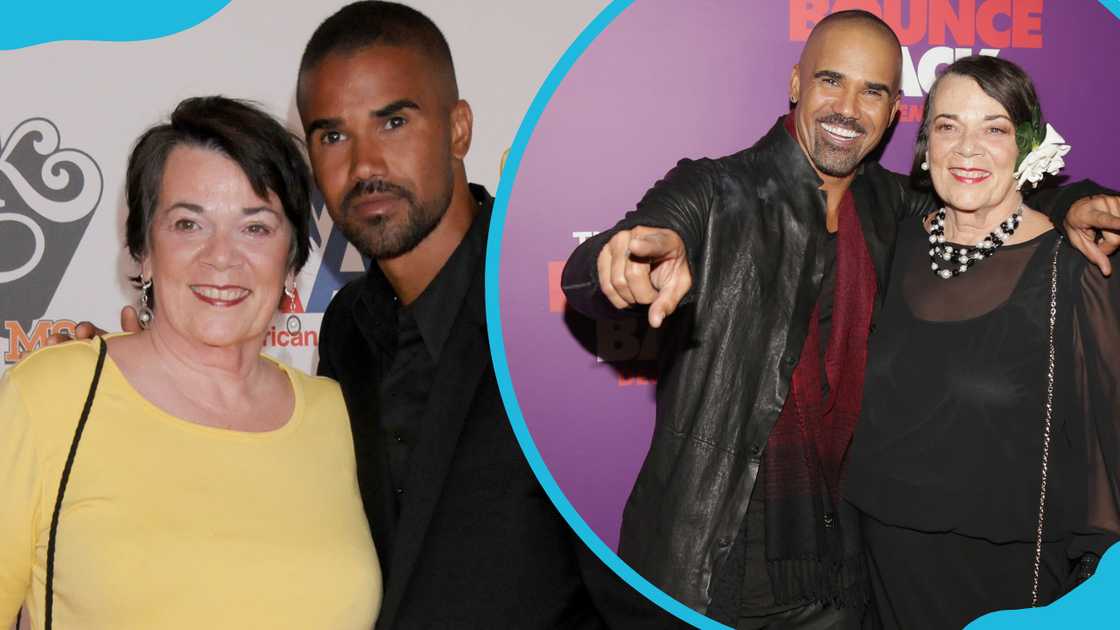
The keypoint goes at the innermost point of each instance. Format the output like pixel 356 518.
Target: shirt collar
pixel 437 307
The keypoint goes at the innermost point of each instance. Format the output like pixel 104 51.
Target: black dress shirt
pixel 412 338
pixel 465 534
pixel 404 392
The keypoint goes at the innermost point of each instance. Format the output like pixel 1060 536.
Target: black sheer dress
pixel 946 461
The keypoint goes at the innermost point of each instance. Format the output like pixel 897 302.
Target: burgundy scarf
pixel 809 555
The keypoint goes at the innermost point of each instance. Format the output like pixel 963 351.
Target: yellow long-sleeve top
pixel 170 524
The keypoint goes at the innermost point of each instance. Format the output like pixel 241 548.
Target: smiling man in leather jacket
pixel 775 260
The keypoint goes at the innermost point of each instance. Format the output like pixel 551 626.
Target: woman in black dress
pixel 967 447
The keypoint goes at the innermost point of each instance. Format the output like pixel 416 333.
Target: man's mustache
pixel 375 186
pixel 841 120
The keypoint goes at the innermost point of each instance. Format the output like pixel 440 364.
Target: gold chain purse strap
pixel 1047 418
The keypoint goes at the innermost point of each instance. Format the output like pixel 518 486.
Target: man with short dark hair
pixel 774 260
pixel 466 536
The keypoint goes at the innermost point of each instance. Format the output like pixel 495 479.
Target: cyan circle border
pixel 497 339
pixel 521 430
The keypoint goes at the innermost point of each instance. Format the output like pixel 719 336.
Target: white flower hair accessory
pixel 1043 157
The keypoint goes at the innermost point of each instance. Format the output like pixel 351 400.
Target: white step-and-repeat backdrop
pixel 79 106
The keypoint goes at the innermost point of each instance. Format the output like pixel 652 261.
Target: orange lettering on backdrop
pixel 913 32
pixel 960 21
pixel 19 342
pixel 803 14
pixel 871 6
pixel 556 299
pixel 67 325
pixel 957 23
pixel 986 23
pixel 1026 27
pixel 910 112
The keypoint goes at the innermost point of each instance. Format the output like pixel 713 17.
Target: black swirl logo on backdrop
pixel 47 198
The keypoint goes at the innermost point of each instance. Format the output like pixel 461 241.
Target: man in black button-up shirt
pixel 465 534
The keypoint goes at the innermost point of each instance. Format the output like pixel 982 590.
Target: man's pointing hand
pixel 645 266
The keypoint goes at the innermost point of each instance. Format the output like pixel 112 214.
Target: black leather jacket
pixel 753 225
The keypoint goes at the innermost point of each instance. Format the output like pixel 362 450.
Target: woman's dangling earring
pixel 145 314
pixel 290 293
pixel 925 166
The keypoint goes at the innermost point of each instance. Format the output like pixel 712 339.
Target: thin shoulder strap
pixel 53 536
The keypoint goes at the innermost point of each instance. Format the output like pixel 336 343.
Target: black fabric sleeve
pixel 1055 202
pixel 679 202
pixel 1097 343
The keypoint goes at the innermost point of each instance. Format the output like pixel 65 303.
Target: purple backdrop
pixel 669 80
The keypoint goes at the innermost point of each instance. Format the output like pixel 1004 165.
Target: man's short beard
pixel 831 160
pixel 379 239
pixel 835 163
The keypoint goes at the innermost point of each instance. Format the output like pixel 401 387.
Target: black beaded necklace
pixel 947 261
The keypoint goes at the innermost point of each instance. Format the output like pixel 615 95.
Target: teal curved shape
pixel 1112 5
pixel 32 22
pixel 497 341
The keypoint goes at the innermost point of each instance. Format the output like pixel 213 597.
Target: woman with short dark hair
pixel 180 478
pixel 985 461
